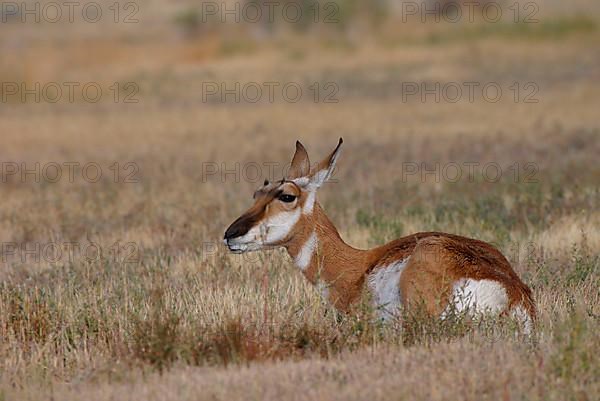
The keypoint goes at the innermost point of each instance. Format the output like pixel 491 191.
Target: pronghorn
pixel 432 269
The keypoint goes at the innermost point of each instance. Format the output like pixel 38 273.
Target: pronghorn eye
pixel 287 198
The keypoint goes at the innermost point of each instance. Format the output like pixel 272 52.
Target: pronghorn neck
pixel 327 261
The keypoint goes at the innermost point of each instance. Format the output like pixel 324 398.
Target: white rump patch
pixel 384 284
pixel 479 296
pixel 302 260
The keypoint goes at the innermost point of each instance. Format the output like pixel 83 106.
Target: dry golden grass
pixel 167 313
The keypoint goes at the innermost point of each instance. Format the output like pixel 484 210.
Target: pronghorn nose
pixel 237 229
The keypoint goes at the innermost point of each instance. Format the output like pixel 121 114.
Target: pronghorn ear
pixel 300 166
pixel 323 171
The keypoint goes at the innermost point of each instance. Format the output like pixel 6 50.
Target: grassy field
pixel 118 287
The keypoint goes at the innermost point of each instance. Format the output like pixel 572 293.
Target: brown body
pixel 419 269
pixel 437 261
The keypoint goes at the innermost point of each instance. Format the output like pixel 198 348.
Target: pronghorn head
pixel 282 210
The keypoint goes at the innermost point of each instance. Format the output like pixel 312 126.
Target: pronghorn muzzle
pixel 234 235
pixel 238 228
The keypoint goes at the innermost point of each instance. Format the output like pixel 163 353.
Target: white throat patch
pixel 279 226
pixel 302 260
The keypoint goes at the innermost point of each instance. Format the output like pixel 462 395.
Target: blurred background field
pixel 166 312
